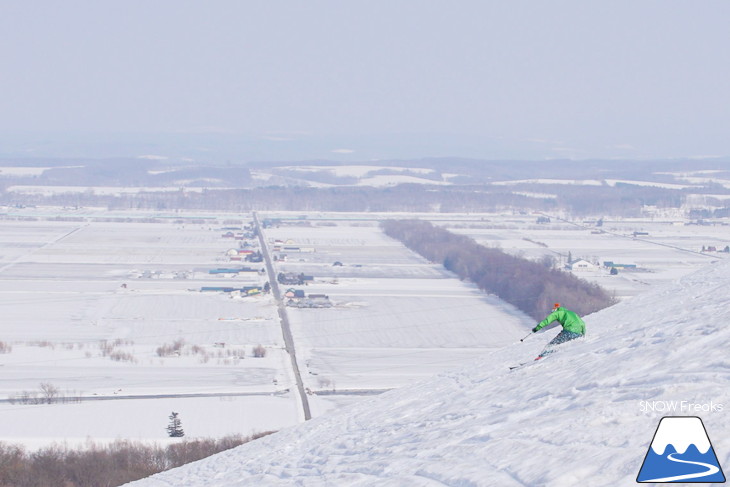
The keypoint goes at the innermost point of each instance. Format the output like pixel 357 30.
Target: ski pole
pixel 526 337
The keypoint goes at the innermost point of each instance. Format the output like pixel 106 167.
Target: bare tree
pixel 49 392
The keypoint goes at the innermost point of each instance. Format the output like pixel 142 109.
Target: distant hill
pixel 580 188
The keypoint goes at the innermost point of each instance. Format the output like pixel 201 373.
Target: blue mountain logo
pixel 681 452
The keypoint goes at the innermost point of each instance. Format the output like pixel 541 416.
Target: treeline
pixel 710 213
pixel 411 198
pixel 626 201
pixel 108 466
pixel 530 286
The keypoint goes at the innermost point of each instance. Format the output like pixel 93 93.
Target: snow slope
pixel 584 416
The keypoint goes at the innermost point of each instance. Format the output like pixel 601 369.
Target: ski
pixel 518 366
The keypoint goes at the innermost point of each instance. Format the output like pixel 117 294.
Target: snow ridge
pixel 579 417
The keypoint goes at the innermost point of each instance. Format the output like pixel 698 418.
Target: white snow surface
pixel 681 433
pixel 576 418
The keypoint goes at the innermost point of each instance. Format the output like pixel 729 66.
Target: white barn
pixel 581 265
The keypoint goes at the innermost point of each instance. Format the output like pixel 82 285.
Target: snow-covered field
pixel 583 416
pixel 87 304
pixel 396 317
pixel 662 251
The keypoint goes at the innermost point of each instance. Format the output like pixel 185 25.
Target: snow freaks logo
pixel 682 407
pixel 681 452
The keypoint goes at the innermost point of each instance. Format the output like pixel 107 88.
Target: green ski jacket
pixel 567 318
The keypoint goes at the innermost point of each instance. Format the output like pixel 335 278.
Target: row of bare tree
pixel 530 286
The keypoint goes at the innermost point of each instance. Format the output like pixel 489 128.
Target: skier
pixel 573 327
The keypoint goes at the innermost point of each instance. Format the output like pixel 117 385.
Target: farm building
pixel 255 257
pixel 297 299
pixel 290 278
pixel 237 252
pixel 615 265
pixel 217 289
pixel 294 293
pixel 232 270
pixel 250 290
pixel 581 265
pixel 244 291
pixel 298 249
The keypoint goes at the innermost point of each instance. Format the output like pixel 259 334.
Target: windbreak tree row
pixel 529 286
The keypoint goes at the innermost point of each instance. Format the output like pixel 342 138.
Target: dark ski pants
pixel 562 337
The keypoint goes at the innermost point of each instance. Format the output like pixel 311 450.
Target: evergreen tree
pixel 174 429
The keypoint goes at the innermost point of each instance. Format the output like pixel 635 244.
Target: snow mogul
pixel 573 327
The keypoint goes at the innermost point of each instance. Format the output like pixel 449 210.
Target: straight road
pixel 285 328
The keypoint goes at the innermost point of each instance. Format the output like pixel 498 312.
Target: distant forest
pixel 579 201
pixel 530 286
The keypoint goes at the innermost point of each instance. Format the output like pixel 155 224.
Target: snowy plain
pixel 583 416
pixel 397 318
pixel 661 250
pixel 87 303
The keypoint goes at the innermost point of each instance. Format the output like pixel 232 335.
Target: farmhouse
pixel 713 248
pixel 292 293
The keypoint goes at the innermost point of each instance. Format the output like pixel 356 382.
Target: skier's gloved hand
pixel 534 330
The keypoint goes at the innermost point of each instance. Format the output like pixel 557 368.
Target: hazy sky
pixel 566 78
